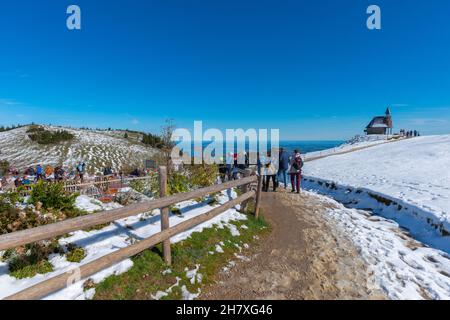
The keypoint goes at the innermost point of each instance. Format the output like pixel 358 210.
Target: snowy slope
pixel 358 142
pixel 96 148
pixel 402 267
pixel 413 173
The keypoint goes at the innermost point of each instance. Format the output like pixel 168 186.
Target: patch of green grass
pixel 31 270
pixel 96 227
pixel 146 276
pixel 27 261
pixel 75 254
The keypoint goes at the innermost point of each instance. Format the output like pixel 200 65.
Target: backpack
pixel 298 163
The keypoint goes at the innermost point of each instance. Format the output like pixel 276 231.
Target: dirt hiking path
pixel 302 258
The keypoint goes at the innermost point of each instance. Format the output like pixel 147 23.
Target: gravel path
pixel 303 258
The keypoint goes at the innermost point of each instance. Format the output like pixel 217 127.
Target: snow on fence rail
pixel 56 283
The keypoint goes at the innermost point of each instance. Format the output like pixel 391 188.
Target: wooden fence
pixel 98 187
pixel 102 185
pixel 59 282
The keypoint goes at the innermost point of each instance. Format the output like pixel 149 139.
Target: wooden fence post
pixel 164 214
pixel 258 196
pixel 245 189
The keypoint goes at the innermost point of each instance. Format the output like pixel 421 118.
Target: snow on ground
pixel 354 144
pixel 115 236
pixel 160 294
pixel 193 275
pixel 91 205
pixel 97 149
pixel 411 173
pixel 188 295
pixel 399 265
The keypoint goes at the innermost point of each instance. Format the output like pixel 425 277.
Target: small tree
pixel 125 135
pixel 4 166
pixel 52 196
pixel 167 143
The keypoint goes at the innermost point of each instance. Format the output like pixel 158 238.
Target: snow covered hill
pixel 356 143
pixel 408 181
pixel 96 148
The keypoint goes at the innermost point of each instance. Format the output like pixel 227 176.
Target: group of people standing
pixel 235 163
pixel 278 167
pixel 410 133
pixel 48 173
pixel 33 175
pixel 272 167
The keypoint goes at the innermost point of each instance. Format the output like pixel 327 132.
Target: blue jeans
pixel 282 176
pixel 229 171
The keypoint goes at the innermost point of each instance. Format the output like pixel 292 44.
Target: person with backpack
pixel 296 171
pixel 17 181
pixel 80 171
pixel 49 172
pixel 26 181
pixel 59 173
pixel 30 171
pixel 283 167
pixel 39 172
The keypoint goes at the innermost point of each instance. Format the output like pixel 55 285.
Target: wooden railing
pixel 104 184
pixel 103 180
pixel 94 187
pixel 59 282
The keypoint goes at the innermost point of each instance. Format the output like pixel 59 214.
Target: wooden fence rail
pixel 100 183
pixel 73 184
pixel 56 283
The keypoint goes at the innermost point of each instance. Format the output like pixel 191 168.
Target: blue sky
pixel 310 68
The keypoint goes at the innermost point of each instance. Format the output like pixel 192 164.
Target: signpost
pixel 150 164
